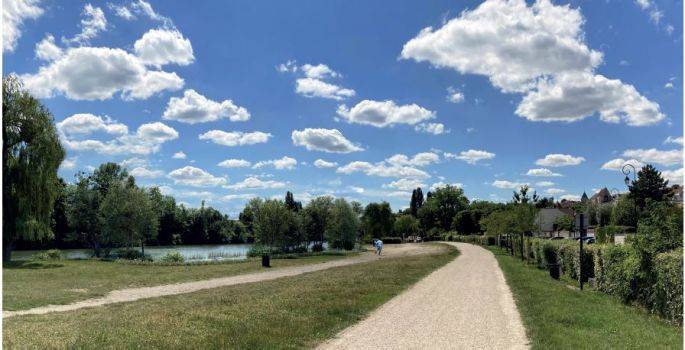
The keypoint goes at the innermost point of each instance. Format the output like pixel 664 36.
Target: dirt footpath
pixel 466 304
pixel 132 294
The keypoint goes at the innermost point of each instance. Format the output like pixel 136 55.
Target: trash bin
pixel 266 260
pixel 553 271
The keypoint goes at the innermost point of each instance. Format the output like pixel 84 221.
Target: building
pixel 601 197
pixel 545 218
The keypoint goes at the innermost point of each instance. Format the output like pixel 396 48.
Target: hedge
pixel 667 294
pixel 614 267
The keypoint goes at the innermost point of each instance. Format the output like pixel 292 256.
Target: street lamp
pixel 626 169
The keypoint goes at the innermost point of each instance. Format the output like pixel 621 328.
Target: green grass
pixel 294 312
pixel 560 316
pixel 28 284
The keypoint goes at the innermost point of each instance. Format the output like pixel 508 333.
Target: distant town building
pixel 677 194
pixel 601 197
pixel 584 199
pixel 545 218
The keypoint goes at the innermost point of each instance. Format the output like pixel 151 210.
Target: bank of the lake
pixel 189 252
pixel 28 284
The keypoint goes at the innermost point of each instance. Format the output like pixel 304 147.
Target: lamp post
pixel 626 170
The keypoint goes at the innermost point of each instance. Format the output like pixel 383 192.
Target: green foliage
pixel 31 155
pixel 439 209
pixel 649 186
pixel 342 231
pixel 624 212
pixel 521 197
pixel 667 296
pixel 378 220
pixel 316 218
pixel 173 257
pixel 497 223
pixel 564 223
pixel 406 225
pixel 466 222
pixel 131 254
pixel 616 270
pixel 271 221
pixel 51 254
pixel 606 234
pixel 128 216
pixel 416 201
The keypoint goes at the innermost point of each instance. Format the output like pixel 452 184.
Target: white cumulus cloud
pixel 197 177
pixel 558 160
pixel 384 113
pixel 194 108
pixel 655 156
pixel 235 163
pixel 543 172
pixel 93 22
pixel 286 162
pixel 235 138
pixel 255 183
pixel 471 156
pixel 320 163
pixel 325 140
pixel 14 13
pixel 158 47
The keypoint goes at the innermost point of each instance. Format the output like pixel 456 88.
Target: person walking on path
pixel 379 246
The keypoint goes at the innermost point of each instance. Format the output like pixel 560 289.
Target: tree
pixel 649 185
pixel 466 222
pixel 270 222
pixel 60 223
pixel 317 215
pixel 290 202
pixel 31 155
pixel 564 223
pixel 604 214
pixel 524 218
pixel 128 217
pixel 545 202
pixel 441 207
pixel 406 225
pixel 83 215
pixel 378 220
pixel 416 201
pixel 342 230
pixel 624 212
pixel 497 223
pixel 522 196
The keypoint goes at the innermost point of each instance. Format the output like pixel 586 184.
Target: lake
pixel 190 252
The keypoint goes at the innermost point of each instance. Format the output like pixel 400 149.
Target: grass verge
pixel 560 316
pixel 288 313
pixel 28 284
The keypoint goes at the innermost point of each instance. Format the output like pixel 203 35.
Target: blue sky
pixel 488 96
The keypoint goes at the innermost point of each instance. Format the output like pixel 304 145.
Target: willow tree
pixel 31 155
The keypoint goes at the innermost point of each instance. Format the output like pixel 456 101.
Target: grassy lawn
pixel 560 317
pixel 294 312
pixel 28 284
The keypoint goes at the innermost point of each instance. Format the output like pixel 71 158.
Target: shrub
pixel 52 254
pixel 617 270
pixel 173 257
pixel 606 234
pixel 667 294
pixel 549 253
pixel 391 240
pixel 131 254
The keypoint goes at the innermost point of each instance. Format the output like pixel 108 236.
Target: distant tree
pixel 406 225
pixel 271 222
pixel 604 214
pixel 342 228
pixel 564 223
pixel 466 222
pixel 31 155
pixel 290 202
pixel 416 201
pixel 592 212
pixel 316 219
pixel 127 215
pixel 624 212
pixel 545 202
pixel 522 196
pixel 441 207
pixel 60 222
pixel 524 217
pixel 497 223
pixel 649 185
pixel 378 220
pixel 83 215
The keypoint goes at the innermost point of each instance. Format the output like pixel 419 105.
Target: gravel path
pixel 132 294
pixel 466 304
